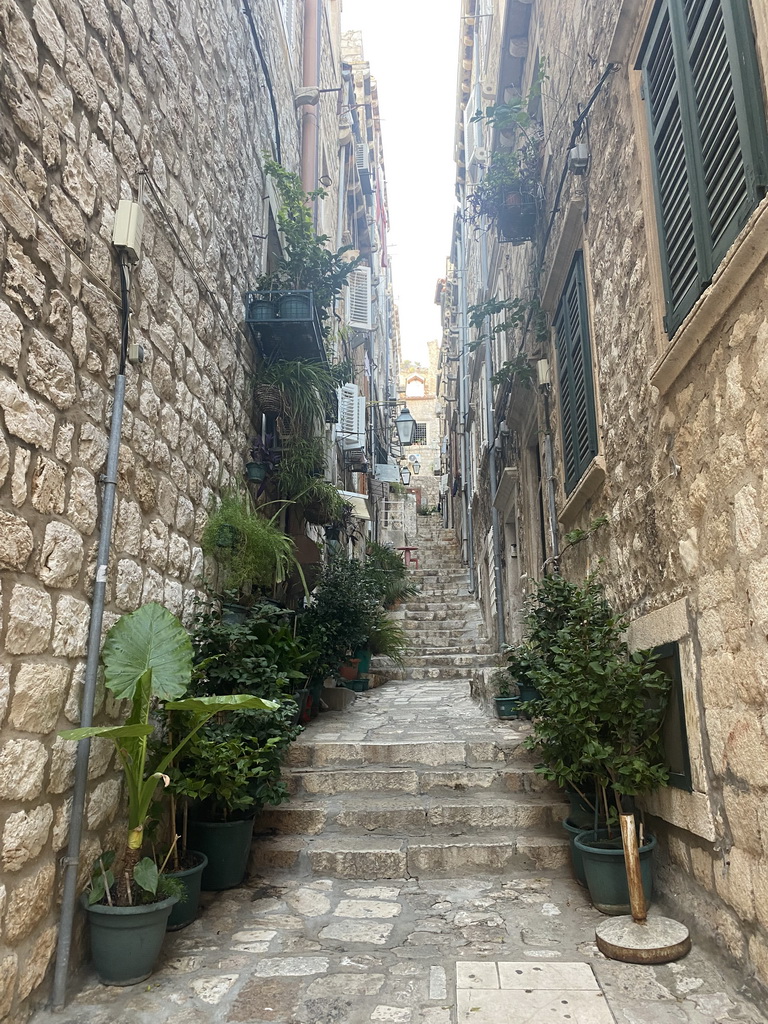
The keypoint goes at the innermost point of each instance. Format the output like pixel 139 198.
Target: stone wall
pixel 92 92
pixel 684 552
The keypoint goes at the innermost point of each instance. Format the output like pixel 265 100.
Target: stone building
pixel 418 390
pixel 175 104
pixel 627 377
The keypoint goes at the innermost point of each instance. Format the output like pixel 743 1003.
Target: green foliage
pixel 303 459
pixel 306 261
pixel 517 313
pixel 388 640
pixel 234 764
pixel 515 114
pixel 599 717
pixel 147 656
pixel 321 503
pixel 512 170
pixel 388 572
pixel 344 611
pixel 517 370
pixel 257 551
pixel 577 536
pixel 306 392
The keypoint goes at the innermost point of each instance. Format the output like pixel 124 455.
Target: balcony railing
pixel 285 324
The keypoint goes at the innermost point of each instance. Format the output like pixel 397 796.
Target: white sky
pixel 412 47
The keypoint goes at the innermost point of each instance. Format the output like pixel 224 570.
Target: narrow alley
pixel 417 875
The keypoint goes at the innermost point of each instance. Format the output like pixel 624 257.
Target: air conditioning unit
pixel 474 151
pixel 364 168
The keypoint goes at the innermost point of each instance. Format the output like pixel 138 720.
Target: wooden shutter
pixel 576 389
pixel 708 137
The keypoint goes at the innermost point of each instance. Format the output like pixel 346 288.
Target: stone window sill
pixel 588 486
pixel 731 277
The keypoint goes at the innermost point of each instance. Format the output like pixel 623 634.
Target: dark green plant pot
pixel 577 863
pixel 261 310
pixel 255 471
pixel 126 941
pixel 365 662
pixel 528 692
pixel 507 707
pixel 295 306
pixel 606 873
pixel 581 814
pixel 233 614
pixel 226 844
pixel 185 912
pixel 315 692
pixel 358 685
pixel 300 697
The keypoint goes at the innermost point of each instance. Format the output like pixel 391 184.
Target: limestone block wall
pixel 684 552
pixel 92 93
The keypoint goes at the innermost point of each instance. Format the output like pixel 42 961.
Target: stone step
pixel 374 857
pixel 438 781
pixel 452 661
pixel 439 753
pixel 457 674
pixel 447 618
pixel 412 815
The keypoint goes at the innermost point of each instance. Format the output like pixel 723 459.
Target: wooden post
pixel 632 861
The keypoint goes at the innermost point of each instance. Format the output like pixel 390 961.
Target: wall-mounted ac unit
pixel 359 299
pixel 474 152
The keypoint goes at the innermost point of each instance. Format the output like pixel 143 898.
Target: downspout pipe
pixel 72 859
pixel 549 463
pixel 466 485
pixel 310 134
pixel 491 435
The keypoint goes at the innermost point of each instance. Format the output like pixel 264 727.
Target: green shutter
pixel 576 388
pixel 708 137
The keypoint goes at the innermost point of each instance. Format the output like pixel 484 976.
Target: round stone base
pixel 659 940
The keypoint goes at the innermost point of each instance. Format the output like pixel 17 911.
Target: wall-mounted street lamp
pixel 405 475
pixel 416 467
pixel 405 425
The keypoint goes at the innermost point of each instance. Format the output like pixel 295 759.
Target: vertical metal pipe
pixel 313 36
pixel 491 435
pixel 69 896
pixel 466 476
pixel 550 471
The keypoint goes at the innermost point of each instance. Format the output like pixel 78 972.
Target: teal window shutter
pixel 575 379
pixel 708 136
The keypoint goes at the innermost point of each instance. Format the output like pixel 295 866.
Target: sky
pixel 412 47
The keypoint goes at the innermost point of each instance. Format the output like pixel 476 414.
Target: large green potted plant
pixel 232 768
pixel 147 657
pixel 597 721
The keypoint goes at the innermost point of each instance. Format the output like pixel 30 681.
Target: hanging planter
pixel 517 217
pixel 255 472
pixel 268 399
pixel 295 306
pixel 261 309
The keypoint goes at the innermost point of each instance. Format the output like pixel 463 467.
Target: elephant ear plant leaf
pixel 147 656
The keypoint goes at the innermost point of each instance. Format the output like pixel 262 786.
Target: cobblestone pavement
pixel 335 951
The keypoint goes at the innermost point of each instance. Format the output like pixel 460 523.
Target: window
pixel 708 137
pixel 574 364
pixel 288 11
pixel 420 434
pixel 673 731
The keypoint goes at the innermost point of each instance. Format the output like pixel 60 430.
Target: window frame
pixel 752 136
pixel 566 346
pixel 682 780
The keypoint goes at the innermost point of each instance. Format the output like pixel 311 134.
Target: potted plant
pixel 506 702
pixel 147 657
pixel 248 547
pixel 233 765
pixel 597 721
pixel 261 459
pixel 304 388
pixel 508 195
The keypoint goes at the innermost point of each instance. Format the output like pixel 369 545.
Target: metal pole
pixel 549 467
pixel 466 481
pixel 72 859
pixel 491 434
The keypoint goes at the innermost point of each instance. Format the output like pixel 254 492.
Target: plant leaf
pixel 212 705
pixel 145 874
pixel 151 638
pixel 110 732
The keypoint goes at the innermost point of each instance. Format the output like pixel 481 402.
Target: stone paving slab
pixel 467 951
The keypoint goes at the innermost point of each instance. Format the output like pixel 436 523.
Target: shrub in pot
pixel 597 722
pixel 147 657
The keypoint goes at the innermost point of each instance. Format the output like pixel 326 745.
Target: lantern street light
pixel 416 467
pixel 405 475
pixel 405 425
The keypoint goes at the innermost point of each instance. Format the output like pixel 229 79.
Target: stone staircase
pixel 414 779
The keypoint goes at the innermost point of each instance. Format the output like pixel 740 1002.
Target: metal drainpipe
pixel 549 466
pixel 491 432
pixel 72 860
pixel 313 36
pixel 466 485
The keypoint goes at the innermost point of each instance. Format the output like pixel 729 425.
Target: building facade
pixel 174 106
pixel 605 305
